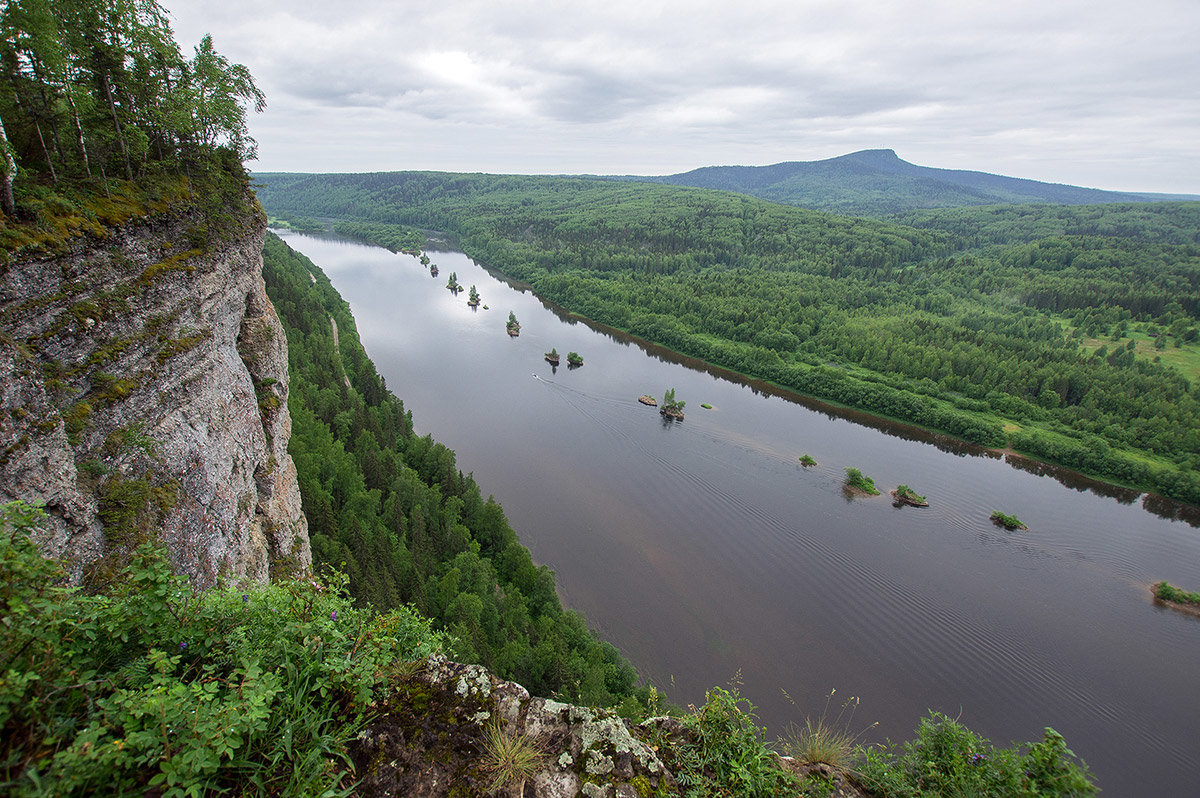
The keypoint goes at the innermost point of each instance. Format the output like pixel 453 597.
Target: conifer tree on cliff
pixel 95 86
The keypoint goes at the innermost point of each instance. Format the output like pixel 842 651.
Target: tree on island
pixel 452 283
pixel 552 356
pixel 856 480
pixel 513 326
pixel 573 359
pixel 670 406
pixel 473 299
pixel 903 494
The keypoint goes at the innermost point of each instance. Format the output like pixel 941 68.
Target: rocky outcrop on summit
pixel 143 390
pixel 428 741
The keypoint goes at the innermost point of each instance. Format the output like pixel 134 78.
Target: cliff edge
pixel 143 391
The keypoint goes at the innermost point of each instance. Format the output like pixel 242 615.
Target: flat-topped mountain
pixel 878 182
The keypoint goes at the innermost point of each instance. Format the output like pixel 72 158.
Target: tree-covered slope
pixel 878 182
pixel 392 509
pixel 976 322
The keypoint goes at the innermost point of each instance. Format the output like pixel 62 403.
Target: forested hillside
pixel 984 323
pixel 392 509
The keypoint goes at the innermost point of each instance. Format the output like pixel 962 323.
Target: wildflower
pixel 333 615
pixel 183 646
pixel 245 597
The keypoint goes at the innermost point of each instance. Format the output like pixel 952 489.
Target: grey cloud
pixel 1070 86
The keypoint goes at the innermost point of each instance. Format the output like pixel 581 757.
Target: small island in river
pixel 647 399
pixel 858 482
pixel 513 327
pixel 574 360
pixel 552 357
pixel 1009 522
pixel 672 407
pixel 1168 595
pixel 903 494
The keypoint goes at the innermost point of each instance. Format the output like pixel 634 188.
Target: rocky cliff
pixel 143 392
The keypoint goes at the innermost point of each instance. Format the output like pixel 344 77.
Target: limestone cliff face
pixel 143 391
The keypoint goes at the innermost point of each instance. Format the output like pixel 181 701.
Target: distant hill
pixel 878 182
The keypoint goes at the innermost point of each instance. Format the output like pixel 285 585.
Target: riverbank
pixel 652 505
pixel 1027 459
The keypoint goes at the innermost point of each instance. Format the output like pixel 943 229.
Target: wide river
pixel 708 554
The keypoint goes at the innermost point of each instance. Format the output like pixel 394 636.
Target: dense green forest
pixel 102 117
pixel 980 322
pixel 93 88
pixel 392 509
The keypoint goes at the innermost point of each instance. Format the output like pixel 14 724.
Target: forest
pixel 391 509
pixel 96 100
pixel 1069 333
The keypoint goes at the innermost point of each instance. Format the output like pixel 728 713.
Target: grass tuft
pixel 511 759
pixel 826 740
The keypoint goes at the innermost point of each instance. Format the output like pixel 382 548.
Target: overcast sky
pixel 1102 93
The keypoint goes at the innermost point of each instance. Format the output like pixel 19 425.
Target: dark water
pixel 705 552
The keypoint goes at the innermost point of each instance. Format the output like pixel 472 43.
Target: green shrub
pixel 856 479
pixel 1007 521
pixel 728 754
pixel 946 758
pixel 1168 592
pixel 150 688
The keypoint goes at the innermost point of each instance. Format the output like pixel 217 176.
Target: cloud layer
pixel 1099 93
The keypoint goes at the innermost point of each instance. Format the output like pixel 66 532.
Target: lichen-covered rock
pixel 143 389
pixel 429 741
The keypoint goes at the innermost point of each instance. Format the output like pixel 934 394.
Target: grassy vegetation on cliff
pixel 147 687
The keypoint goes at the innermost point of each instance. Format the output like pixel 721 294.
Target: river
pixel 709 555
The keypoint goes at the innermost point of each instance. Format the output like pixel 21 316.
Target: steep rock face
pixel 143 390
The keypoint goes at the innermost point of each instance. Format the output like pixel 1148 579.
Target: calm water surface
pixel 706 553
